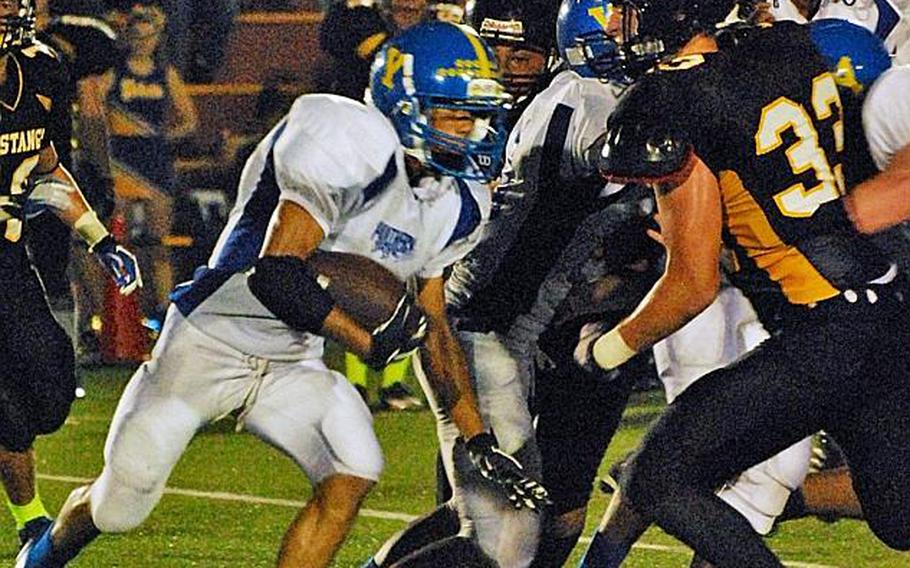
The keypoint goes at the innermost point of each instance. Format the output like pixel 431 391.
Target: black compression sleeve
pixel 287 287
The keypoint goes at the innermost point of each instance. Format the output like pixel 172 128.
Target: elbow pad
pixel 287 287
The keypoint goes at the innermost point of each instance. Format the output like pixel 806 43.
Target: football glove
pixel 398 336
pixel 120 263
pixel 503 469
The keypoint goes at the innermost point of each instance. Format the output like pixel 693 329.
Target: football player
pixel 887 19
pixel 730 171
pixel 397 181
pixel 502 299
pixel 38 379
pixel 521 34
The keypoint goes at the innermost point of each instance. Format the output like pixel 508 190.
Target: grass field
pixel 232 497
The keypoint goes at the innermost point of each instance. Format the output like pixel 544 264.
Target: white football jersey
pixel 341 161
pixel 546 168
pixel 886 114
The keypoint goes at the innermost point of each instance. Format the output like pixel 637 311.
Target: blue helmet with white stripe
pixel 583 42
pixel 439 65
pixel 856 55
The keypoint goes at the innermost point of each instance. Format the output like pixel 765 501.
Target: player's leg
pixel 873 435
pixel 37 386
pixel 738 416
pixel 189 381
pixel 502 376
pixel 506 535
pixel 708 342
pixel 442 523
pixel 318 419
pixel 578 413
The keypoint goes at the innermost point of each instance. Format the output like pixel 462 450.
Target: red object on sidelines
pixel 123 337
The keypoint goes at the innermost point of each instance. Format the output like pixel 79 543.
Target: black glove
pixel 398 336
pixel 499 467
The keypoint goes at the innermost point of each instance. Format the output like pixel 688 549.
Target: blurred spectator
pixel 350 36
pixel 148 109
pixel 196 33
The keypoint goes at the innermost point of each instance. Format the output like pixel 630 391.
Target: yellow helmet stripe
pixel 486 68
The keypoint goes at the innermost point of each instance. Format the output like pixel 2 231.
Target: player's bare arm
pixel 294 233
pixel 444 361
pixel 884 200
pixel 690 216
pixel 690 219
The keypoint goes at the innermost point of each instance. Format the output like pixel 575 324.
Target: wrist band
pixel 611 350
pixel 90 228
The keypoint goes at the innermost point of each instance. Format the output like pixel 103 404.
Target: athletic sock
pixel 25 513
pixel 602 553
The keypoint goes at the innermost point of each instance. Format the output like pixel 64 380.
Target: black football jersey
pixel 31 116
pixel 764 114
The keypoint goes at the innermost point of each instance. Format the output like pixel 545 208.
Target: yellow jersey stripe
pixel 744 218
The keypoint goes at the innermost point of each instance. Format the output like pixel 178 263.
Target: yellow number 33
pixel 784 114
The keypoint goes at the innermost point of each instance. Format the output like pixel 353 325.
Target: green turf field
pixel 233 496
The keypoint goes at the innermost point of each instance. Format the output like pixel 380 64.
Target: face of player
pixel 454 122
pixel 408 12
pixel 520 67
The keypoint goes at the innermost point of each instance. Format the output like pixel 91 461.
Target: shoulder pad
pixel 647 139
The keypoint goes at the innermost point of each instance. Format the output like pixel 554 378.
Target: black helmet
pixel 520 24
pixel 653 29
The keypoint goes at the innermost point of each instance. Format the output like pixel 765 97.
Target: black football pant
pixel 49 248
pixel 37 376
pixel 842 367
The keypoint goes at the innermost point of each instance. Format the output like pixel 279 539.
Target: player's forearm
pixel 880 202
pixel 341 328
pixel 449 377
pixel 675 299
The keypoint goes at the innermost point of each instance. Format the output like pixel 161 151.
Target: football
pixel 363 288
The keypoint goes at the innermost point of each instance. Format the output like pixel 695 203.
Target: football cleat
pixel 33 529
pixel 38 552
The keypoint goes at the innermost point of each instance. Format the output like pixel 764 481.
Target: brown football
pixel 363 288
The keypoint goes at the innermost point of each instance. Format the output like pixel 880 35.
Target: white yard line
pixel 370 513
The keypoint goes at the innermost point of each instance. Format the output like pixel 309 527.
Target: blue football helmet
pixel 856 55
pixel 583 43
pixel 438 65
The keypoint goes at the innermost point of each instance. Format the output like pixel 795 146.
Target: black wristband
pixel 287 287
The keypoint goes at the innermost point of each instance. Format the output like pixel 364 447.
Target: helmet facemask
pixel 18 28
pixel 477 156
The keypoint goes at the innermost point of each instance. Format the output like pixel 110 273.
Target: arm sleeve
pixel 886 115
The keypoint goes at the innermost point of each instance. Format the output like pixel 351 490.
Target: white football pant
pixel 302 408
